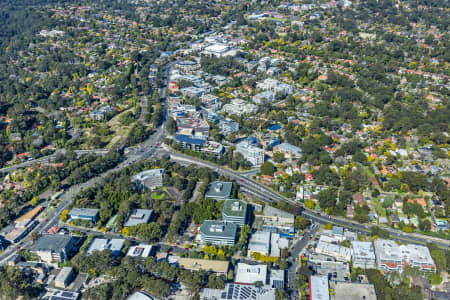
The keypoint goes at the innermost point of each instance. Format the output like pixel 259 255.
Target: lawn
pixel 158 195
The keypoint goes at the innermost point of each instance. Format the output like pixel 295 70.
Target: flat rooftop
pixel 219 229
pixel 270 211
pixel 235 208
pixel 390 250
pixel 219 189
pixel 318 285
pixel 52 242
pixel 353 291
pixel 363 250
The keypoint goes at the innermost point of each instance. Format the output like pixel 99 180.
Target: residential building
pixel 234 291
pixel 249 274
pixel 228 126
pixel 352 290
pixel 252 154
pixel 288 150
pixel 239 107
pixel 64 277
pixel 235 211
pixel 141 250
pixel 318 288
pixel 149 179
pixel 139 216
pixel 187 65
pixel 54 247
pixel 275 86
pixel 363 255
pixel 390 256
pixel 218 267
pixel 219 190
pixel 89 214
pixel 192 91
pixel 218 233
pixel 264 97
pixel 99 244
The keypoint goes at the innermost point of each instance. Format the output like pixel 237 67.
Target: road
pixel 266 194
pixel 144 151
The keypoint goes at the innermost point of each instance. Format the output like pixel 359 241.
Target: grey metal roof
pixel 139 216
pixel 52 243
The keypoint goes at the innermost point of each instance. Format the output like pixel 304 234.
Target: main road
pixel 266 194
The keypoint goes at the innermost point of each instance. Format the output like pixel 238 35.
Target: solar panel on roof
pixel 67 294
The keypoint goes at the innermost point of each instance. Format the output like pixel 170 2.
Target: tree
pixel 34 201
pixel 327 198
pixel 267 168
pixel 301 223
pixel 425 225
pixel 64 215
pixel 278 157
pixel 309 204
pixel 172 126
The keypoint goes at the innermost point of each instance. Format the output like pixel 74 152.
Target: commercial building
pixel 235 211
pixel 352 291
pixel 326 266
pixel 218 267
pixel 252 154
pixel 266 243
pixel 219 190
pixel 199 143
pixel 318 288
pixel 277 244
pixel 218 233
pixel 249 274
pixel 139 216
pixel 149 179
pixel 234 291
pixel 20 232
pixel 288 150
pixel 64 277
pixel 363 255
pixel 89 214
pixel 276 217
pixel 390 256
pixel 328 246
pixel 219 50
pixel 141 250
pixel 277 279
pixel 141 296
pixel 54 247
pixel 259 243
pixel 98 244
pixel 56 294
